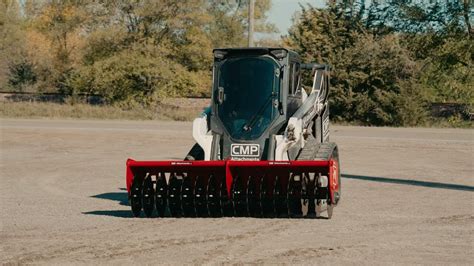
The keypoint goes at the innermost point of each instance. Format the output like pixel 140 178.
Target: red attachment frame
pixel 229 169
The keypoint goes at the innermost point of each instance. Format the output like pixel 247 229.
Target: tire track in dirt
pixel 235 245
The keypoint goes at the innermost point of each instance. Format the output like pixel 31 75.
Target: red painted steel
pixel 228 179
pixel 333 179
pixel 195 167
pixel 228 169
pixel 277 164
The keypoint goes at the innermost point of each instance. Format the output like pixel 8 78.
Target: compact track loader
pixel 262 147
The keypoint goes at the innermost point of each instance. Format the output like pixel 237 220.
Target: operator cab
pixel 255 89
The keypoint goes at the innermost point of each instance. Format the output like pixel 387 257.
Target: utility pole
pixel 251 15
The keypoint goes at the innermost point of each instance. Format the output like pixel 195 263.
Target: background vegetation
pixel 390 60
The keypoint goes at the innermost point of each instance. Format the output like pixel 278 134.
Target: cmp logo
pixel 245 150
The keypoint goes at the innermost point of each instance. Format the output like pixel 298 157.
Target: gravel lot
pixel 407 198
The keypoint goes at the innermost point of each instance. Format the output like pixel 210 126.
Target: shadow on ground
pixel 411 182
pixel 116 213
pixel 120 197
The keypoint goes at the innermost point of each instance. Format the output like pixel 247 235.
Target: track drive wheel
pixel 310 184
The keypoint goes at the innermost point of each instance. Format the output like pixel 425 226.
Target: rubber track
pixel 313 150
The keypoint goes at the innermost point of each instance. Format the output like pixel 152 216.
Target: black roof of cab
pixel 280 53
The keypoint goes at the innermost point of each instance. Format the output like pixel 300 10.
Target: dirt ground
pixel 407 198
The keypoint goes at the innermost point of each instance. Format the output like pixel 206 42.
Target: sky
pixel 282 11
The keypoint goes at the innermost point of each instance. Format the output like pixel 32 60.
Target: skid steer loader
pixel 262 147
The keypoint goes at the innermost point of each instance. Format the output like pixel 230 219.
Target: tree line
pixel 390 59
pixel 127 51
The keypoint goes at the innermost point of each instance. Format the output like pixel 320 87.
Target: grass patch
pixel 451 122
pixel 86 111
pixel 161 112
pixel 433 122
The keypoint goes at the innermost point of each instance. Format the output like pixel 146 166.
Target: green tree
pixel 137 50
pixel 161 45
pixel 229 24
pixel 16 72
pixel 181 34
pixel 373 78
pixel 60 22
pixel 439 36
pixel 375 83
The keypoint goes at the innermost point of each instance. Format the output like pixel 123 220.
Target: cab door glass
pixel 296 78
pixel 291 80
